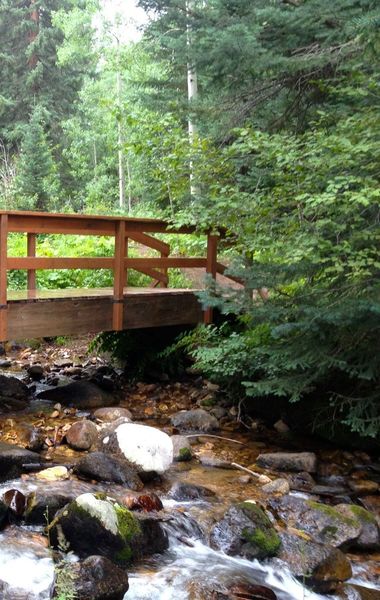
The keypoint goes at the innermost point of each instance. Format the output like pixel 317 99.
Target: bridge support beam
pixel 119 276
pixel 211 269
pixel 3 277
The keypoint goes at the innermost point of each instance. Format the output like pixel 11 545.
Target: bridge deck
pixel 69 312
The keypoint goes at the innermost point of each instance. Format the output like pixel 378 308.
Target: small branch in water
pixel 219 437
pixel 261 478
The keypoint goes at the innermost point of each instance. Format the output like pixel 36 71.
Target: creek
pixel 189 569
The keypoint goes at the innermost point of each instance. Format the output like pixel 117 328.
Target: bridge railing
pixel 123 229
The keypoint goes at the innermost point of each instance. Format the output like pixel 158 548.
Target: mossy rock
pixel 245 530
pixel 91 523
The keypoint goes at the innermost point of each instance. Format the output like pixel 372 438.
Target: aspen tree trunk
pixel 192 92
pixel 120 137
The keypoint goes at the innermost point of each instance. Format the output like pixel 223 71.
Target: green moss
pixel 208 402
pixel 362 514
pixel 185 454
pixel 266 540
pixel 331 512
pixel 128 525
pixel 124 555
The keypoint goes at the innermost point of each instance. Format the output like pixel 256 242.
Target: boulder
pixel 369 538
pixel 277 486
pixel 57 473
pixel 104 467
pixel 358 592
pixel 112 413
pixel 13 394
pixel 145 502
pixel 42 506
pixel 15 501
pixel 321 566
pixel 29 437
pixel 245 530
pixel 97 578
pixel 82 435
pixel 324 524
pixel 182 491
pixel 35 372
pixel 195 420
pixel 12 459
pixel 288 461
pixel 91 522
pixel 181 448
pixel 146 447
pixel 80 394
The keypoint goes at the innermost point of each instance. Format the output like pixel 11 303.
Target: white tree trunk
pixel 192 93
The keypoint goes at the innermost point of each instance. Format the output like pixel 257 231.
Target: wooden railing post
pixel 31 251
pixel 119 277
pixel 211 268
pixel 3 278
pixel 164 284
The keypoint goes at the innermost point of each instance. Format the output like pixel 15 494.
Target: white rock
pixel 100 509
pixel 145 446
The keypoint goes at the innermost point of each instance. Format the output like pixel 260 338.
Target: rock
pixel 13 394
pixel 181 448
pixel 144 503
pixel 245 530
pixel 35 372
pixel 112 413
pixel 320 566
pixel 81 394
pixel 29 437
pixel 90 522
pixel 195 420
pixel 363 486
pixel 277 486
pixel 250 592
pixel 324 524
pixel 97 578
pixel 369 538
pixel 372 504
pixel 218 412
pixel 53 474
pixel 302 482
pixel 61 363
pixel 281 427
pixel 146 447
pixel 358 592
pixel 16 502
pixel 104 467
pixel 42 506
pixel 288 461
pixel 182 491
pixel 5 364
pixel 82 435
pixel 208 459
pixel 12 459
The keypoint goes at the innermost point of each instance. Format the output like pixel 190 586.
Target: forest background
pixel 283 153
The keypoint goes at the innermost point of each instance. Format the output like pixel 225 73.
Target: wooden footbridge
pixel 40 313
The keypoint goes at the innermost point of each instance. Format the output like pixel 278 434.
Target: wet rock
pixel 369 538
pixel 144 503
pixel 208 459
pixel 150 449
pixel 182 491
pixel 57 473
pixel 372 504
pixel 288 461
pixel 5 364
pixel 363 486
pixel 29 437
pixel 245 530
pixel 250 592
pixel 16 502
pixel 218 412
pixel 281 427
pixel 13 394
pixel 112 413
pixel 82 435
pixel 320 566
pixel 80 394
pixel 195 420
pixel 97 578
pixel 181 448
pixel 61 363
pixel 12 459
pixel 90 522
pixel 42 506
pixel 35 372
pixel 357 592
pixel 324 524
pixel 104 467
pixel 278 486
pixel 302 482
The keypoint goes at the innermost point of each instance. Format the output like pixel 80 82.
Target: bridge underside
pixel 46 313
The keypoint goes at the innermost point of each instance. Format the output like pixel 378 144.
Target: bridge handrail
pixel 122 228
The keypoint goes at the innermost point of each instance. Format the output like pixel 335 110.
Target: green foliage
pixel 64 586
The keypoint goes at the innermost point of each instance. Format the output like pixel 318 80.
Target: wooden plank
pixel 31 251
pixel 221 269
pixel 211 268
pixel 75 316
pixel 150 242
pixel 154 274
pixel 165 263
pixel 3 277
pixel 119 277
pixel 50 262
